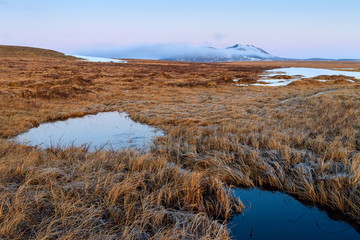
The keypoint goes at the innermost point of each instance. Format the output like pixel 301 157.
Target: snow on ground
pixel 97 59
pixel 299 73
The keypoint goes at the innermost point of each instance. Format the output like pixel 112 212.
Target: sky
pixel 296 28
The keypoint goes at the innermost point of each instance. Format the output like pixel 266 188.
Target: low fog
pixel 146 51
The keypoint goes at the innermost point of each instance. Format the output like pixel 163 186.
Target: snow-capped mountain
pixel 184 52
pixel 237 52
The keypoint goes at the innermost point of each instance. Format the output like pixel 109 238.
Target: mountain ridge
pixel 237 52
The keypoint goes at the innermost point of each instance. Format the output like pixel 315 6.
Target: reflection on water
pixel 298 74
pixel 310 72
pixel 112 129
pixel 274 215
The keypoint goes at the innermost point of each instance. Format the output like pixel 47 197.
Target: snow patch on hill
pixel 237 52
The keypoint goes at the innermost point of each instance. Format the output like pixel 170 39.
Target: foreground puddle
pixel 110 129
pixel 274 215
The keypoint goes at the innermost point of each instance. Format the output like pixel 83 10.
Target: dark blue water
pixel 108 129
pixel 275 215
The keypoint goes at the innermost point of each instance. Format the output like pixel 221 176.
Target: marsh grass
pixel 217 135
pixel 67 193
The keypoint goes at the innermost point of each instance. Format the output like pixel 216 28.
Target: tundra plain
pixel 217 135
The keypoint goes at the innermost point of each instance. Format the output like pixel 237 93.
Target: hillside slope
pixel 26 52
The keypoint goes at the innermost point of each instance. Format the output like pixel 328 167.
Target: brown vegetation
pixel 28 52
pixel 217 135
pixel 105 195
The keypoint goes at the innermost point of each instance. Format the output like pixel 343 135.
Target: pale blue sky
pixel 297 28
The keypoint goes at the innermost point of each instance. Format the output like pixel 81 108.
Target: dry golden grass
pixel 217 135
pixel 105 195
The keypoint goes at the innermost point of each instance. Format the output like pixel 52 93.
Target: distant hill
pixel 238 52
pixel 17 51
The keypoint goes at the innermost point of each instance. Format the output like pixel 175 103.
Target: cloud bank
pixel 149 51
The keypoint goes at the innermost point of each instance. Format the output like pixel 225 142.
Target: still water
pixel 110 129
pixel 275 215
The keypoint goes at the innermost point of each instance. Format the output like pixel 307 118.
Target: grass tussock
pixel 76 194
